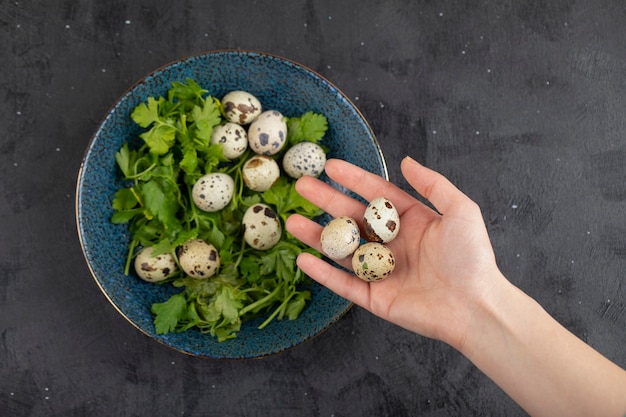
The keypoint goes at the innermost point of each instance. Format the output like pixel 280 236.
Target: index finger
pixel 366 184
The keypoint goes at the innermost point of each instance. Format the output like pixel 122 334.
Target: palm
pixel 436 256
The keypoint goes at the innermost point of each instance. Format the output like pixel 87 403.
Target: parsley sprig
pixel 155 203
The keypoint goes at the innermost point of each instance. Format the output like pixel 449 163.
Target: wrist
pixel 495 313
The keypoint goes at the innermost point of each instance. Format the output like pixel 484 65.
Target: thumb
pixel 432 185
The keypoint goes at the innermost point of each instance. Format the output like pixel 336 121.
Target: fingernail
pixel 409 159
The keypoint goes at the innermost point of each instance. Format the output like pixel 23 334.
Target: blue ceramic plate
pixel 279 84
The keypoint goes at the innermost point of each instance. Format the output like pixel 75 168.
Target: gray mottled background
pixel 520 103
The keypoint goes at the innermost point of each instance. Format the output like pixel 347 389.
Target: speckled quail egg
pixel 267 134
pixel 198 259
pixel 381 222
pixel 154 268
pixel 373 261
pixel 241 107
pixel 340 237
pixel 304 158
pixel 232 137
pixel 260 172
pixel 212 192
pixel 261 226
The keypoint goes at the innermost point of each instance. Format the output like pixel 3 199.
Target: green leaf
pixel 285 198
pixel 297 304
pixel 205 118
pixel 309 127
pixel 169 313
pixel 121 217
pixel 286 255
pixel 191 319
pixel 249 268
pixel 159 138
pixel 126 160
pixel 227 331
pixel 161 203
pixel 125 199
pixel 160 212
pixel 146 230
pixel 267 263
pixel 279 261
pixel 172 241
pixel 126 205
pixel 213 156
pixel 146 113
pixel 228 304
pixel 189 163
pixel 189 92
pixel 215 236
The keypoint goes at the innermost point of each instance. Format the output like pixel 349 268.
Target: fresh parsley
pixel 155 204
pixel 308 127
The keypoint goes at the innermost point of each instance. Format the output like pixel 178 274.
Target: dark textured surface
pixel 520 103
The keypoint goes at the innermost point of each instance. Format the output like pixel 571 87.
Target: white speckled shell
pixel 241 107
pixel 260 172
pixel 381 222
pixel 262 229
pixel 154 268
pixel 213 191
pixel 373 261
pixel 268 133
pixel 199 259
pixel 232 137
pixel 340 237
pixel 304 158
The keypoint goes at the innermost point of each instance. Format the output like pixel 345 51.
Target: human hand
pixel 446 285
pixel 445 263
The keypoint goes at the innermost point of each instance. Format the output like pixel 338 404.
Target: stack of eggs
pixel 372 260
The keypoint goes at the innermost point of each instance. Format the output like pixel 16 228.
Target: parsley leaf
pixel 287 200
pixel 297 304
pixel 125 199
pixel 147 113
pixel 205 118
pixel 169 313
pixel 162 134
pixel 187 94
pixel 161 203
pixel 160 138
pixel 158 207
pixel 126 160
pixel 308 127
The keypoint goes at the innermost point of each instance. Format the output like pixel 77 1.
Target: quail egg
pixel 261 227
pixel 212 192
pixel 260 172
pixel 241 107
pixel 381 222
pixel 232 137
pixel 340 237
pixel 373 261
pixel 268 133
pixel 304 158
pixel 198 258
pixel 154 268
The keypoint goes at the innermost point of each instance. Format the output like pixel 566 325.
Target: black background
pixel 520 103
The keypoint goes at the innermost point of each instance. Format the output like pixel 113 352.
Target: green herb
pixel 174 151
pixel 285 198
pixel 169 313
pixel 308 127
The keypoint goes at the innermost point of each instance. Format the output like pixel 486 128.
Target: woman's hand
pixel 446 285
pixel 444 260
